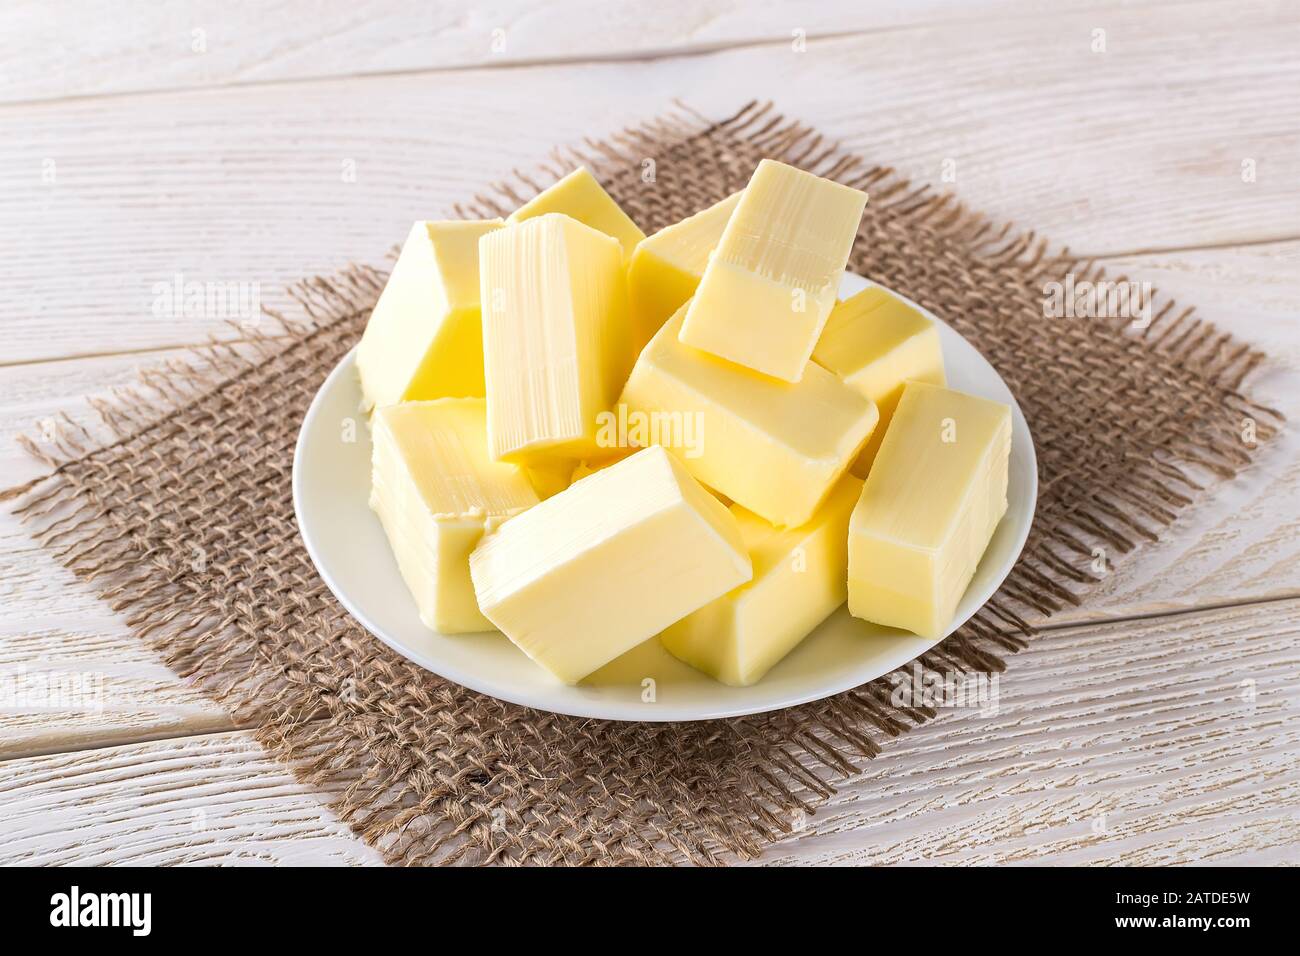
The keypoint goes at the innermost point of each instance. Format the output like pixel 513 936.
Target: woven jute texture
pixel 177 507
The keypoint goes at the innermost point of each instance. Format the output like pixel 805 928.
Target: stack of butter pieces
pixel 588 438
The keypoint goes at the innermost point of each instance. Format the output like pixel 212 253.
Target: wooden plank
pixel 55 631
pixel 1110 744
pixel 103 206
pixel 215 799
pixel 1244 542
pixel 1171 740
pixel 58 48
pixel 72 675
pixel 38 399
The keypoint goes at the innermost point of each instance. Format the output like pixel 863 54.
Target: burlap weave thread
pixel 1128 425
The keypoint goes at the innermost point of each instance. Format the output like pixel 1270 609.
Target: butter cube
pixel 436 491
pixel 775 447
pixel 555 337
pixel 423 339
pixel 929 507
pixel 590 466
pixel 771 283
pixel 579 196
pixel 608 563
pixel 875 342
pixel 666 267
pixel 799 579
pixel 550 478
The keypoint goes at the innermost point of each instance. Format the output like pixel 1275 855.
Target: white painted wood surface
pixel 1173 739
pixel 128 159
pixel 1170 739
pixel 206 43
pixel 1137 148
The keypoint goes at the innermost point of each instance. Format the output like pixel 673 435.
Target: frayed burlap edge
pixel 803 751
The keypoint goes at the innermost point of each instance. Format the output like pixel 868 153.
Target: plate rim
pixel 618 710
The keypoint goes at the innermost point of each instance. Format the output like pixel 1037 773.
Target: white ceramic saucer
pixel 331 484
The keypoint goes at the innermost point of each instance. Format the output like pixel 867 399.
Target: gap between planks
pixel 181 349
pixel 1175 249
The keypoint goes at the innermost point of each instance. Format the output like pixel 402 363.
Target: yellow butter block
pixel 771 283
pixel 929 507
pixel 589 466
pixel 584 468
pixel 875 342
pixel 556 346
pixel 436 492
pixel 775 447
pixel 550 478
pixel 579 196
pixel 799 578
pixel 423 339
pixel 666 267
pixel 608 563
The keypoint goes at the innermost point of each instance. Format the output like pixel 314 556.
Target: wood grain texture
pixel 104 202
pixel 1243 541
pixel 214 799
pixel 1169 740
pixel 60 48
pixel 109 687
pixel 1114 743
pixel 42 400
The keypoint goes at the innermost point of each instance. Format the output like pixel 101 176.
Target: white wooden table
pixel 141 141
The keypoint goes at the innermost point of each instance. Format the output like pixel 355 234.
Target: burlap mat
pixel 177 507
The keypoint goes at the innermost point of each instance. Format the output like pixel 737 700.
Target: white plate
pixel 331 481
